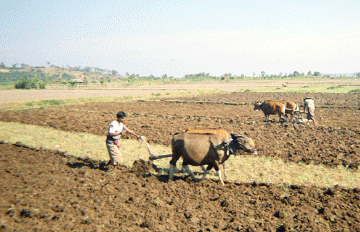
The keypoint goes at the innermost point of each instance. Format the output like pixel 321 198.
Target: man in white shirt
pixel 116 129
pixel 309 105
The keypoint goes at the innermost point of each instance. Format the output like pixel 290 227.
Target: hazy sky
pixel 179 37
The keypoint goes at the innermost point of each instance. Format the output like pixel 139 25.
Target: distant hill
pixel 52 74
pixel 55 74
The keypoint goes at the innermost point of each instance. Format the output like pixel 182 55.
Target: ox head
pixel 239 142
pixel 257 105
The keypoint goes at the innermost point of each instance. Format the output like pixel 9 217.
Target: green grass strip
pixel 239 169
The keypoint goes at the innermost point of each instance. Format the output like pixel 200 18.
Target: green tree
pixel 317 74
pixel 23 84
pixel 22 65
pixel 41 84
pixel 296 74
pixel 263 73
pixel 73 83
pixel 27 83
pixel 87 69
pixel 86 81
pixel 114 72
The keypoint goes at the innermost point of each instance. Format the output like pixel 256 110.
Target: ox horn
pixel 239 135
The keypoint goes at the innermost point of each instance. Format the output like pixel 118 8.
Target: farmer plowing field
pixel 309 106
pixel 116 130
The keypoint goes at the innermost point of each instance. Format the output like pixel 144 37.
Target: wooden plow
pixel 298 116
pixel 153 155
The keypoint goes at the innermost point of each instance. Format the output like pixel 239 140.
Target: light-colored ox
pixel 269 107
pixel 206 149
pixel 223 133
pixel 290 108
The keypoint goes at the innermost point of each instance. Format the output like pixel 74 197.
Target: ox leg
pixel 217 168
pixel 267 118
pixel 186 167
pixel 219 175
pixel 173 161
pixel 203 168
pixel 292 116
pixel 224 170
pixel 206 171
pixel 171 172
pixel 287 119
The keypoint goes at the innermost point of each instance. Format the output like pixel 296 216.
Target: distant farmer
pixel 309 108
pixel 116 129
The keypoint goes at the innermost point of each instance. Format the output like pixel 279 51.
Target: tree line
pixel 23 76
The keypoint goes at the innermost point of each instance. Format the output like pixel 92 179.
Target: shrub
pixel 24 84
pixel 335 87
pixel 354 91
pixel 27 83
pixel 73 83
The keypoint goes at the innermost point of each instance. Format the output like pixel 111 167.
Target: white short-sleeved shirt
pixel 116 127
pixel 309 103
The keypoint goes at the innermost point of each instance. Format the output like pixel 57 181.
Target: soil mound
pixel 142 168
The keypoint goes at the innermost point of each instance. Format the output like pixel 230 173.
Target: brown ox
pixel 224 134
pixel 290 108
pixel 269 107
pixel 206 149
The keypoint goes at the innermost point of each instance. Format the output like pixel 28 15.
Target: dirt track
pixel 45 190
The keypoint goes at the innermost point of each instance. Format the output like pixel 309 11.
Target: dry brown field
pixel 46 190
pixel 7 96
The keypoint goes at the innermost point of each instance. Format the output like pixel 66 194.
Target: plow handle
pixel 147 146
pixel 159 157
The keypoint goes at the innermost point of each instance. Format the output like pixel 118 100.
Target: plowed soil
pixel 45 190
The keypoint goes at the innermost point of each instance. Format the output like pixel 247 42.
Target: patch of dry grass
pixel 239 169
pixel 83 145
